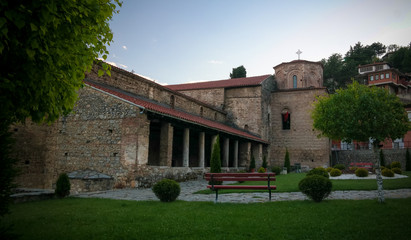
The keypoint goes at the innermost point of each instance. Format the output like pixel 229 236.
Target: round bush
pixel 353 169
pixel 329 169
pixel 387 173
pixel 261 170
pixel 396 170
pixel 167 190
pixel 339 166
pixel 318 171
pixel 63 186
pixel 276 170
pixel 335 172
pixel 315 187
pixel 361 172
pixel 395 164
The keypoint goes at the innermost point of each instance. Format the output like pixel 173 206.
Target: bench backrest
pixel 240 176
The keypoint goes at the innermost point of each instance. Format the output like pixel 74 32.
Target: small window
pixel 246 127
pixel 286 119
pixel 393 76
pixel 294 81
pixel 382 76
pixel 172 101
pixel 377 77
pixel 215 116
pixel 372 78
pixel 387 75
pixel 201 111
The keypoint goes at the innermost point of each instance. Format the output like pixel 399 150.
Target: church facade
pixel 127 131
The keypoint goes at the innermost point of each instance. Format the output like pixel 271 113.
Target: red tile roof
pixel 174 113
pixel 235 82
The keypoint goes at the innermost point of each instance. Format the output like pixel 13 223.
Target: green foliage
pixel 252 163
pixel 353 169
pixel 382 158
pixel 407 161
pixel 335 172
pixel 395 164
pixel 287 163
pixel 401 59
pixel 264 165
pixel 7 170
pixel 361 172
pixel 318 171
pixel 215 161
pixel 239 72
pixel 360 113
pixel 315 187
pixel 63 186
pixel 329 169
pixel 47 47
pixel 167 190
pixel 261 170
pixel 396 170
pixel 387 173
pixel 339 166
pixel 276 170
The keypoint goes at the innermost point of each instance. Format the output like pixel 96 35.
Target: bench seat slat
pixel 251 187
pixel 240 178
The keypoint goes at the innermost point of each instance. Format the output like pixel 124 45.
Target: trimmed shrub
pixel 276 170
pixel 395 164
pixel 287 163
pixel 215 161
pixel 63 186
pixel 339 166
pixel 329 169
pixel 261 170
pixel 315 187
pixel 335 172
pixel 396 170
pixel 264 165
pixel 318 171
pixel 388 166
pixel 353 169
pixel 252 163
pixel 407 161
pixel 382 158
pixel 167 190
pixel 387 173
pixel 361 172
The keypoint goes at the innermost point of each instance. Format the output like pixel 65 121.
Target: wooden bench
pixel 367 165
pixel 268 177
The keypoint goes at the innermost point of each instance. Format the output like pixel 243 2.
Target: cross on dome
pixel 299 53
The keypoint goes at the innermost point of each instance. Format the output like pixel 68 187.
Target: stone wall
pixel 348 156
pixel 301 139
pixel 136 84
pixel 309 74
pixel 213 96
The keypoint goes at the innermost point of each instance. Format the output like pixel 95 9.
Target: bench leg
pixel 216 196
pixel 269 190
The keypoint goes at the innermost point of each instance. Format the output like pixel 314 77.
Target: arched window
pixel 286 119
pixel 201 111
pixel 294 81
pixel 246 127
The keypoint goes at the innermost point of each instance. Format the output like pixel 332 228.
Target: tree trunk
pixel 376 148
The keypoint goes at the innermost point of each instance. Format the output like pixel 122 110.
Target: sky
pixel 181 41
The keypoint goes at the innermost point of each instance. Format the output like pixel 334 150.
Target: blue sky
pixel 179 41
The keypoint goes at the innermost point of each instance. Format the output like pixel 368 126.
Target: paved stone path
pixel 188 188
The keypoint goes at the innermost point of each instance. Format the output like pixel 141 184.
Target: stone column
pixel 235 154
pixel 166 144
pixel 186 147
pixel 201 149
pixel 226 150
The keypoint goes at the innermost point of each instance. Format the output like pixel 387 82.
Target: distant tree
pixel 45 49
pixel 252 163
pixel 401 59
pixel 287 163
pixel 238 72
pixel 361 113
pixel 264 165
pixel 333 72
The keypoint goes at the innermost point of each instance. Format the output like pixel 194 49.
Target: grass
pixel 75 218
pixel 289 183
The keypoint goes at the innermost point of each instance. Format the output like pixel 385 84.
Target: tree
pixel 215 161
pixel 333 72
pixel 401 59
pixel 361 113
pixel 45 49
pixel 238 72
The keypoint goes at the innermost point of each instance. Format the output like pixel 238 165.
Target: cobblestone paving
pixel 188 188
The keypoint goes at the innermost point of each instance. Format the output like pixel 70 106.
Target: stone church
pixel 128 131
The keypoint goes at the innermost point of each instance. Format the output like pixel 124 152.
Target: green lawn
pixel 289 183
pixel 75 218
